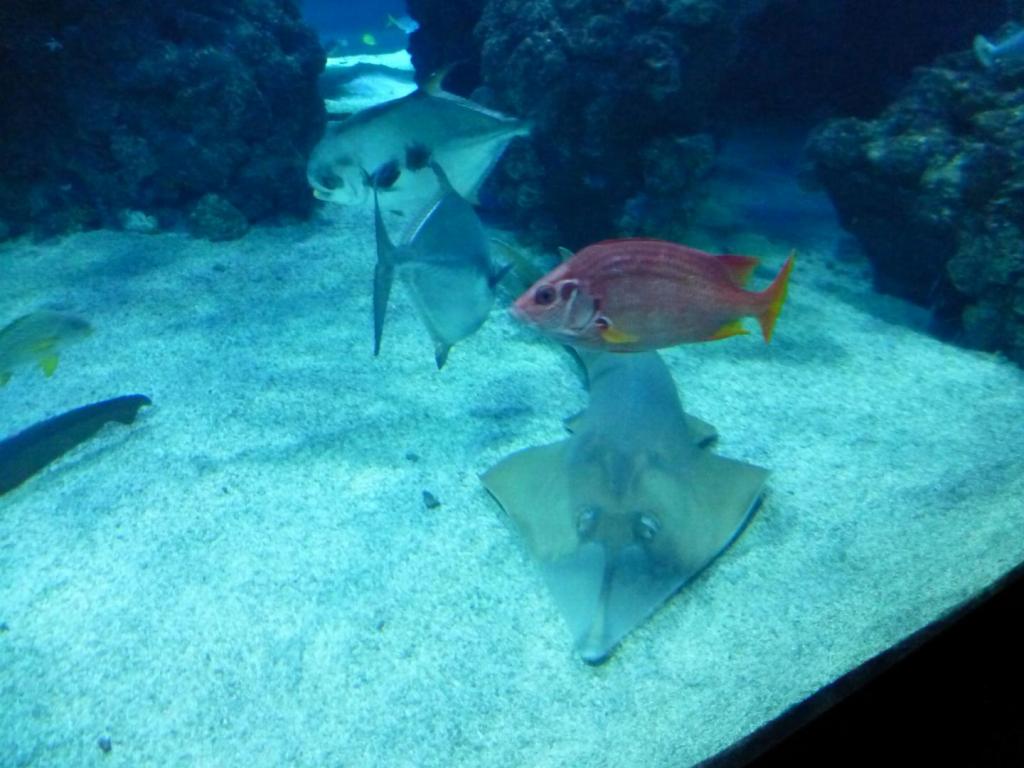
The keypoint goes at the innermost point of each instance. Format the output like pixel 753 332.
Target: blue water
pixel 339 19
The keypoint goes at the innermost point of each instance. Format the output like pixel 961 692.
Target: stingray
pixel 629 508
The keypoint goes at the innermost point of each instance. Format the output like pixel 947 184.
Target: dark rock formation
pixel 811 60
pixel 216 219
pixel 934 190
pixel 446 37
pixel 619 94
pixel 627 98
pixel 119 109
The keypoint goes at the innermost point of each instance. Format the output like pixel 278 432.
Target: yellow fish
pixel 368 39
pixel 36 338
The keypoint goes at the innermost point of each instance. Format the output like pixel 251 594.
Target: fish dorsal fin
pixel 564 253
pixel 433 84
pixel 524 270
pixel 740 267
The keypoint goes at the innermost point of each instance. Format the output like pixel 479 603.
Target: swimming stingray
pixel 444 260
pixel 629 508
pixel 465 138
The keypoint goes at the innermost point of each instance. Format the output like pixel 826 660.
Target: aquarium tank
pixel 509 382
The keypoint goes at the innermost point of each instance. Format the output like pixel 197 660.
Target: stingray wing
pixel 531 486
pixel 700 508
pixel 605 589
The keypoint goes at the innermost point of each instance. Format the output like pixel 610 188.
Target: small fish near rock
pixel 639 294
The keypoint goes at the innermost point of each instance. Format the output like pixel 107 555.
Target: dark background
pixel 951 696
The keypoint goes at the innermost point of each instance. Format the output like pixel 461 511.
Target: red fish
pixel 638 294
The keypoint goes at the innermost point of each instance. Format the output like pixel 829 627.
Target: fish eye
pixel 602 323
pixel 568 288
pixel 544 295
pixel 586 521
pixel 646 526
pixel 330 180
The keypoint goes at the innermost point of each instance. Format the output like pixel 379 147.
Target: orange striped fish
pixel 639 294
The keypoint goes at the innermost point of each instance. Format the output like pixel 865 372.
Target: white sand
pixel 353 83
pixel 249 577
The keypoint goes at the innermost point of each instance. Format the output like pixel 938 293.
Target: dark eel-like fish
pixel 27 452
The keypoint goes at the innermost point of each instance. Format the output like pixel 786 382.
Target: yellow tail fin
pixel 776 295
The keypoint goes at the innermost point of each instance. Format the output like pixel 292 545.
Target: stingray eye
pixel 544 295
pixel 567 290
pixel 586 522
pixel 646 527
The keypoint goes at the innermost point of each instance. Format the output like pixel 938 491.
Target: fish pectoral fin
pixel 613 335
pixel 733 328
pixel 48 363
pixel 434 86
pixel 441 350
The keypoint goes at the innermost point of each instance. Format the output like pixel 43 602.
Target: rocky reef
pixel 629 99
pixel 620 95
pixel 934 191
pixel 155 114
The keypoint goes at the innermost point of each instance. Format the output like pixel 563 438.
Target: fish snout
pixel 520 310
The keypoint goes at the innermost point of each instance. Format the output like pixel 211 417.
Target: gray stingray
pixel 629 508
pixel 444 260
pixel 465 138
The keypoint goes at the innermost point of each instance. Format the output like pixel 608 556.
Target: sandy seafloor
pixel 249 575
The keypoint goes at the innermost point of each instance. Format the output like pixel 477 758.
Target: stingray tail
pixel 383 274
pixel 776 295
